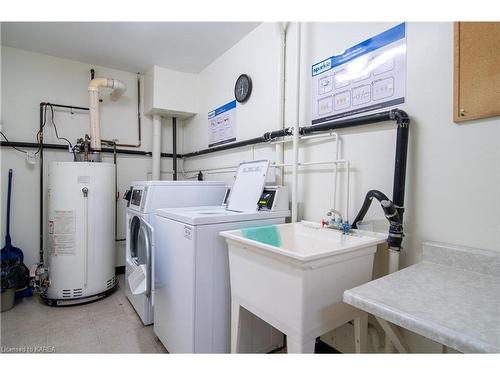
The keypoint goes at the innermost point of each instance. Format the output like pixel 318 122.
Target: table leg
pixel 361 333
pixel 235 327
pixel 297 346
pixel 394 336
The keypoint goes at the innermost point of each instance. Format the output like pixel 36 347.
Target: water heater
pixel 81 255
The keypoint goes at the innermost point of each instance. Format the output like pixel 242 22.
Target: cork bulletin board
pixel 476 71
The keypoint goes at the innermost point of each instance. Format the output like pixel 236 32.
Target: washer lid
pixel 248 186
pixel 205 215
pixel 176 183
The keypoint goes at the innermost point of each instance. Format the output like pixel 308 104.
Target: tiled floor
pixel 106 326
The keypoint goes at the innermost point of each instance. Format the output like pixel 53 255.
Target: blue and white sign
pixel 222 124
pixel 366 77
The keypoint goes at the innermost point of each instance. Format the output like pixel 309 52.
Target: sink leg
pixel 235 326
pixel 361 333
pixel 297 346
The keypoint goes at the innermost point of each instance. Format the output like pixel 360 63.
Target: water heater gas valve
pixel 39 277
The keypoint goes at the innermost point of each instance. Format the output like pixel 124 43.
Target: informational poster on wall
pixel 365 77
pixel 222 125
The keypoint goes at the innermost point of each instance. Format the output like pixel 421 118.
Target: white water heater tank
pixel 81 255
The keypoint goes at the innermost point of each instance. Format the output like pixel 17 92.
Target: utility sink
pixel 293 276
pixel 303 242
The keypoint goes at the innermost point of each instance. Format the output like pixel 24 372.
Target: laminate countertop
pixel 451 297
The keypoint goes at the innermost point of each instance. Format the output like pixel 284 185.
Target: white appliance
pixel 81 258
pixel 192 290
pixel 145 198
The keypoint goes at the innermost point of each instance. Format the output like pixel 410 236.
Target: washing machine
pixel 144 198
pixel 192 290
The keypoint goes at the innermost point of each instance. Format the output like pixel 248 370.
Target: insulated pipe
pixel 156 147
pixel 266 137
pixel 93 89
pixel 348 123
pixel 296 131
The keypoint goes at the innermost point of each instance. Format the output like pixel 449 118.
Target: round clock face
pixel 243 88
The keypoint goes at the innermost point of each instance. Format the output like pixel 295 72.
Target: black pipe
pixel 55 146
pixel 398 192
pixel 139 110
pixel 33 145
pixel 403 122
pixel 225 147
pixel 333 125
pixel 174 147
pixel 266 137
pixel 43 104
pixel 347 123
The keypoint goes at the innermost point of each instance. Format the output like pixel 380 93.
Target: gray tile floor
pixel 106 326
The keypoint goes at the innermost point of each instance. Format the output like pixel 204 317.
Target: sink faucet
pixel 338 223
pixel 334 212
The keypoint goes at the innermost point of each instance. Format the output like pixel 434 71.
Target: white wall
pixel 452 188
pixel 30 78
pixel 257 55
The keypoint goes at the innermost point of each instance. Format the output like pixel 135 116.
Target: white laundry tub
pixel 293 276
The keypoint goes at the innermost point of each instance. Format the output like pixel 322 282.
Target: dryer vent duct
pixel 118 89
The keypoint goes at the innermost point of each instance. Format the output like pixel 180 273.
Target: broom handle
pixel 9 188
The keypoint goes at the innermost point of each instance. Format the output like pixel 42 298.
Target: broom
pixel 11 255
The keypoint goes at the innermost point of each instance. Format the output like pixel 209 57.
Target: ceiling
pixel 130 46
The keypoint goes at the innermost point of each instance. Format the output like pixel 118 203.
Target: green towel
pixel 269 235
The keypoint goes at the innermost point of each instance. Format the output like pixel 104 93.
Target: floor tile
pixel 110 325
pixel 89 346
pixel 134 341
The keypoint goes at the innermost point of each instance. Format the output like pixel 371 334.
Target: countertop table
pixel 452 297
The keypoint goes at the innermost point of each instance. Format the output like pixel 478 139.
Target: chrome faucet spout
pixel 334 212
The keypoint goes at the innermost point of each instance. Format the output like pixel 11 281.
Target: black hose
pixel 366 204
pixel 391 212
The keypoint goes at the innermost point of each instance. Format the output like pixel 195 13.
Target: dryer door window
pixel 141 252
pixel 139 242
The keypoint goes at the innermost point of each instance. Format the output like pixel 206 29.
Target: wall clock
pixel 243 88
